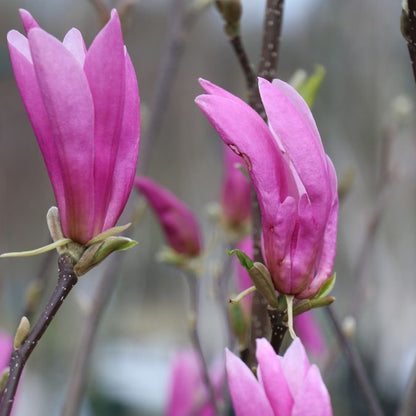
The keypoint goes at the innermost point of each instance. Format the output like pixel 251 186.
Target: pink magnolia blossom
pixel 177 220
pixel 84 109
pixel 294 180
pixel 188 395
pixel 236 191
pixel 6 349
pixel 286 386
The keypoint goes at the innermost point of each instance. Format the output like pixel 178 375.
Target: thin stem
pixel 79 374
pixel 272 28
pixel 66 281
pixel 408 23
pixel 193 284
pixel 278 328
pixel 249 74
pixel 356 365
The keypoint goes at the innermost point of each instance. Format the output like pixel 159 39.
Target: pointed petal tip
pixel 27 20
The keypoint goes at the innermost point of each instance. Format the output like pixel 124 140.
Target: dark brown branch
pixel 66 281
pixel 356 365
pixel 78 379
pixel 278 328
pixel 271 39
pixel 249 74
pixel 408 26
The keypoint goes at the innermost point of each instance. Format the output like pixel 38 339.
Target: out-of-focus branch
pixel 407 406
pixel 182 20
pixel 356 365
pixel 408 26
pixel 104 10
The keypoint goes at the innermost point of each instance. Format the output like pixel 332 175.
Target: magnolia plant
pixel 278 213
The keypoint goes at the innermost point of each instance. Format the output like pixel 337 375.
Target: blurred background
pixel 365 115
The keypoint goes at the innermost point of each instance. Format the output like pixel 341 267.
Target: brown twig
pixel 356 365
pixel 278 328
pixel 246 66
pixel 66 281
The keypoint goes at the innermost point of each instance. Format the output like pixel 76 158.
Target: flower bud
pixel 231 11
pixel 263 282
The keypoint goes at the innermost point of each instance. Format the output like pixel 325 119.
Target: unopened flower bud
pixel 22 332
pixel 231 11
pixel 263 282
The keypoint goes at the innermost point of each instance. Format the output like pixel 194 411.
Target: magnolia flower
pixel 188 395
pixel 84 110
pixel 177 220
pixel 6 349
pixel 286 386
pixel 294 180
pixel 236 192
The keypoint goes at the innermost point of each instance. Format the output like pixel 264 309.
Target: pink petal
pixel 32 100
pixel 128 148
pixel 213 89
pixel 309 331
pixel 313 398
pixel 28 21
pixel 326 258
pixel 68 102
pixel 246 393
pixel 295 364
pixel 241 128
pixel 74 42
pixel 273 379
pixel 301 142
pixel 177 220
pixel 105 69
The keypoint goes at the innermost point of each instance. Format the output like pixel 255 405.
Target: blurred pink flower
pixel 286 386
pixel 84 110
pixel 6 349
pixel 188 395
pixel 177 220
pixel 308 330
pixel 294 179
pixel 236 191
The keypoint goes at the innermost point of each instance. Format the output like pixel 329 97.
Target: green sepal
pixel 262 280
pixel 309 88
pixel 245 260
pixel 96 253
pixel 327 287
pixel 108 233
pixel 56 244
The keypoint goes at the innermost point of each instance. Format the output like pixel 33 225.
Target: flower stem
pixel 278 328
pixel 193 284
pixel 66 281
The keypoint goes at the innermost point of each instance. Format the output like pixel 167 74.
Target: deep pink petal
pixel 295 364
pixel 302 143
pixel 128 149
pixel 313 398
pixel 105 70
pixel 28 21
pixel 177 220
pixel 246 392
pixel 74 42
pixel 68 103
pixel 310 333
pixel 32 100
pixel 273 379
pixel 236 191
